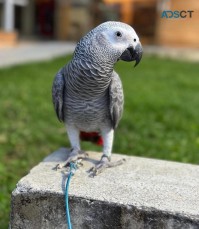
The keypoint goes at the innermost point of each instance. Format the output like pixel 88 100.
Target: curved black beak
pixel 131 54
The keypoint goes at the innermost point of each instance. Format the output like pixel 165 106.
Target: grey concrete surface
pixel 186 54
pixel 141 193
pixel 26 52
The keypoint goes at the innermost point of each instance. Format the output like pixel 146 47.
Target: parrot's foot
pixel 104 163
pixel 76 156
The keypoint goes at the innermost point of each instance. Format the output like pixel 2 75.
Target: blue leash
pixel 73 168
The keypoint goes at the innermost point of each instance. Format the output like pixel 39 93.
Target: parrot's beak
pixel 137 54
pixel 131 54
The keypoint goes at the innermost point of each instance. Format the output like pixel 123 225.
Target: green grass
pixel 160 118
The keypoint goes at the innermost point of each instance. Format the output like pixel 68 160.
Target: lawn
pixel 160 118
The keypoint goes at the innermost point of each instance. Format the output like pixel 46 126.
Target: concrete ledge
pixel 142 193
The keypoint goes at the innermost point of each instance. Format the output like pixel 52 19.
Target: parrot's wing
pixel 58 94
pixel 116 99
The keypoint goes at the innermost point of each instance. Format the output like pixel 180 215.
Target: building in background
pixel 178 31
pixel 8 19
pixel 45 19
pixel 71 19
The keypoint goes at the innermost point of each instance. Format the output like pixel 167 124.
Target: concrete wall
pixel 141 193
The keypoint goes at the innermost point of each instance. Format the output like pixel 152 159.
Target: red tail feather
pixel 92 137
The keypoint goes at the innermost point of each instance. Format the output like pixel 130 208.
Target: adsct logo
pixel 177 14
pixel 165 6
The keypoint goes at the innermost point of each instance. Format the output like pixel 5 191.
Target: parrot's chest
pixel 87 114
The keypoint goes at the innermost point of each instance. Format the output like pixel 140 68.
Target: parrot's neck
pixel 95 68
pixel 89 78
pixel 89 54
pixel 103 67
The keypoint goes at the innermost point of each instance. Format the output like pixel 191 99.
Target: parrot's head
pixel 112 41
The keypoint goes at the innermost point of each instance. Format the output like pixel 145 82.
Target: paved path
pixel 35 51
pixel 190 54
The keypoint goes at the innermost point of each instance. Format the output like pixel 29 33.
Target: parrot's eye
pixel 134 40
pixel 118 34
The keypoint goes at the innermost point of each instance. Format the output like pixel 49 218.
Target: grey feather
pixel 87 93
pixel 58 94
pixel 116 99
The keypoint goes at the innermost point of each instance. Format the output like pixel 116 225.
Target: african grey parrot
pixel 87 93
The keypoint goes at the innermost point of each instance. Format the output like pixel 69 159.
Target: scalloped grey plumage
pixel 87 93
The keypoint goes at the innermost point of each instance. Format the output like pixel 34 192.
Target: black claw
pixel 57 167
pixel 105 156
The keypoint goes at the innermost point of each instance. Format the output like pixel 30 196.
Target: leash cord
pixel 73 168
